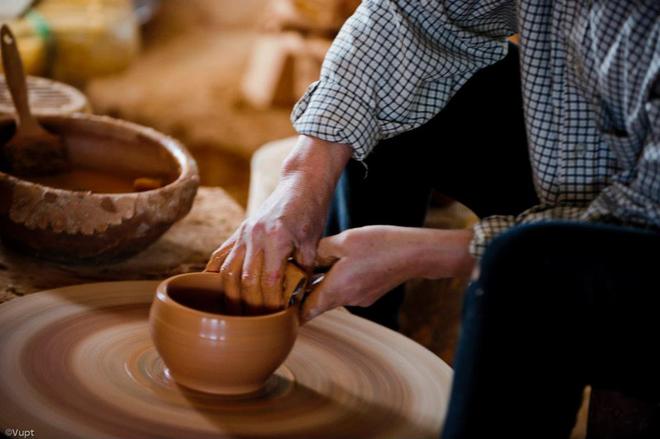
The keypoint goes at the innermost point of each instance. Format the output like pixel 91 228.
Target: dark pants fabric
pixel 557 306
pixel 474 151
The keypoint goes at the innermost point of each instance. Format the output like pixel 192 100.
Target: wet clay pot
pixel 217 353
pixel 86 226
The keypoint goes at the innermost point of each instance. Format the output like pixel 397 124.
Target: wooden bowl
pixel 84 226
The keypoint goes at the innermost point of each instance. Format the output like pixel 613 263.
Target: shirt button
pixel 580 150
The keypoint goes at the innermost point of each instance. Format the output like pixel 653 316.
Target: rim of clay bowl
pixel 184 160
pixel 163 295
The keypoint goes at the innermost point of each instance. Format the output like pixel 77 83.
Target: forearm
pixel 440 254
pixel 314 167
pixel 395 64
pixel 367 262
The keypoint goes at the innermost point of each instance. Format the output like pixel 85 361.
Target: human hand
pixel 289 224
pixel 368 262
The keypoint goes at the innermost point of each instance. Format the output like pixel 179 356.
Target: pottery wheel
pixel 78 362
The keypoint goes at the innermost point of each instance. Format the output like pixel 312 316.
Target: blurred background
pixel 219 75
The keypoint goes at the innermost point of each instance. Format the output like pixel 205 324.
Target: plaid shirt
pixel 590 75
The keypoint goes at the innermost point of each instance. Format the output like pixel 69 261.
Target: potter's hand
pixel 288 224
pixel 369 261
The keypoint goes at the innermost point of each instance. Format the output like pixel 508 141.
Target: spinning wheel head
pixel 78 362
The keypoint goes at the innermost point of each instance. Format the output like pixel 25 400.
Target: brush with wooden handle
pixel 32 151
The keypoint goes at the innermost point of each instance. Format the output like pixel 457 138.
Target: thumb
pixel 305 255
pixel 323 297
pixel 316 303
pixel 328 251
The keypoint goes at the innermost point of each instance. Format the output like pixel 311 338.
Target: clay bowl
pixel 84 226
pixel 217 353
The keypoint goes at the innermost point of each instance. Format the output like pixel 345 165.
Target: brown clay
pixel 147 184
pixel 99 181
pixel 86 226
pixel 80 179
pixel 78 363
pixel 210 351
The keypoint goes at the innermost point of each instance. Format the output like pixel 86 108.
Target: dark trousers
pixel 474 151
pixel 557 306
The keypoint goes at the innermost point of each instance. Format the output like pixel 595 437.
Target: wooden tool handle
pixel 13 68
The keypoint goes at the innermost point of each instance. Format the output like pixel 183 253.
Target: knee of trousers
pixel 524 262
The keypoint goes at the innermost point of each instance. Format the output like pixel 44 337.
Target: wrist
pixel 443 254
pixel 314 167
pixel 317 158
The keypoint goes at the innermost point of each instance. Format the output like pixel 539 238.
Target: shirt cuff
pixel 328 112
pixel 487 229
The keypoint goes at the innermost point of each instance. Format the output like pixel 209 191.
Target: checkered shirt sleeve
pixel 395 64
pixel 589 70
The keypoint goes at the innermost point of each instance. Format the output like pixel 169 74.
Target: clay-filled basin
pixel 212 352
pixel 92 214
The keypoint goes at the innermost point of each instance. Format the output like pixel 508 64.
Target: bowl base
pixel 278 383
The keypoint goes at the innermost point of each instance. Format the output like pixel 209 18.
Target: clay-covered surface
pixel 85 226
pixel 185 247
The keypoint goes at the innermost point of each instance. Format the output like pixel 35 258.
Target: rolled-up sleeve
pixel 488 228
pixel 395 64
